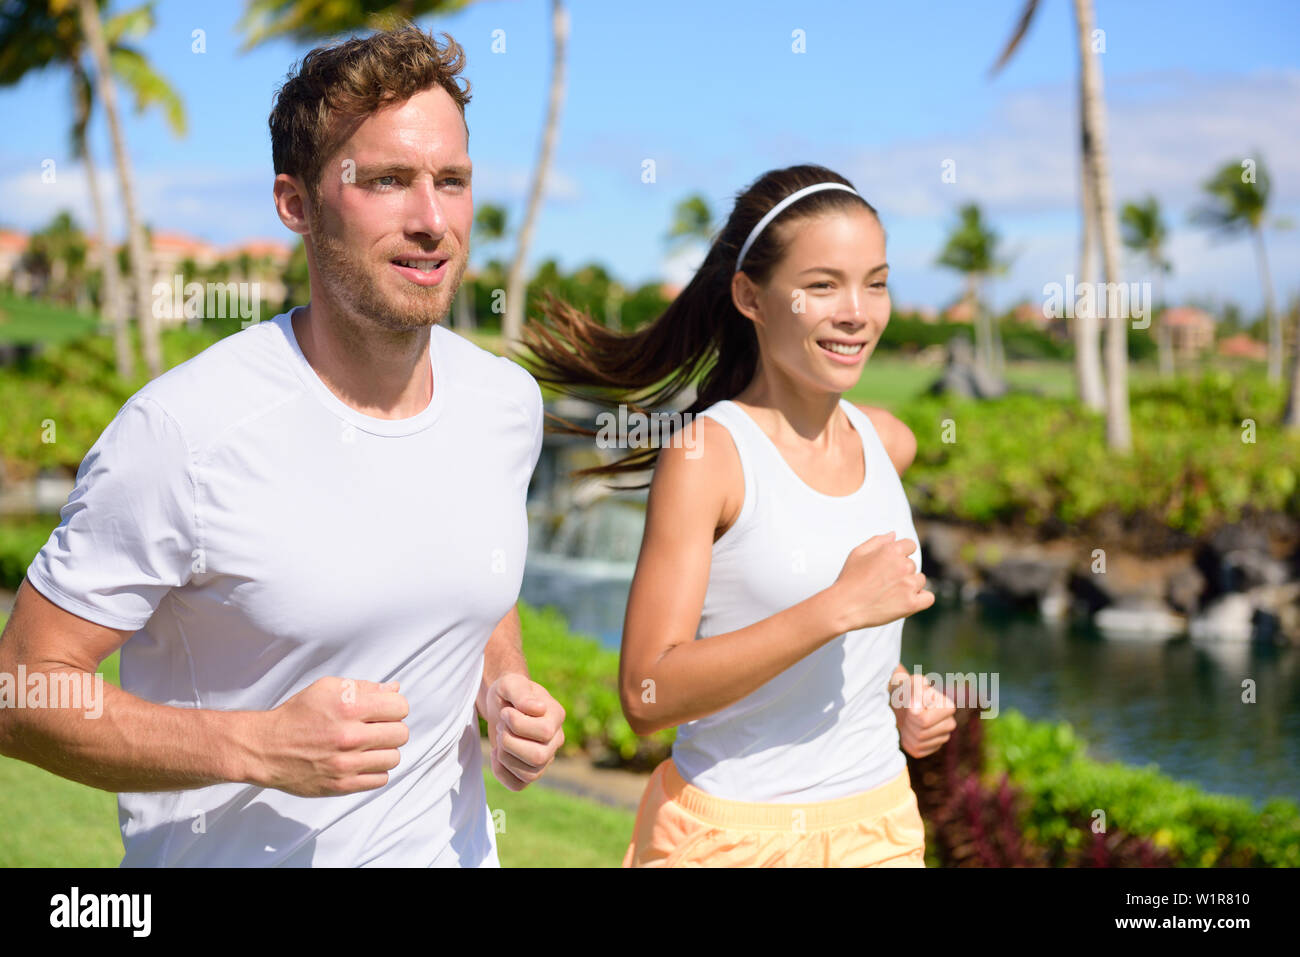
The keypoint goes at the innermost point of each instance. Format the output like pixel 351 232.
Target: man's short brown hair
pixel 336 87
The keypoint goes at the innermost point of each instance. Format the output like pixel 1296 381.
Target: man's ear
pixel 292 203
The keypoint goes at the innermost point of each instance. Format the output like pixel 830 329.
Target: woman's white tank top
pixel 823 728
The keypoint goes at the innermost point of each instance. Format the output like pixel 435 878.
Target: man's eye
pixel 379 181
pixel 878 285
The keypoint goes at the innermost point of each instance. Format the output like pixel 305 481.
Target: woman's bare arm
pixel 666 677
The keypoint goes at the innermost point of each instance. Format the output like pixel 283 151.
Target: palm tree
pixel 1097 198
pixel 112 305
pixel 1144 233
pixel 490 225
pixel 92 28
pixel 516 290
pixel 971 249
pixel 306 20
pixel 56 257
pixel 1090 382
pixel 37 35
pixel 692 220
pixel 1238 202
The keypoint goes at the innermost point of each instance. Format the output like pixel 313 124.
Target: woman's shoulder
pixel 897 438
pixel 701 465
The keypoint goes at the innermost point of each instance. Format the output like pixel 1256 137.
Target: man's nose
pixel 424 210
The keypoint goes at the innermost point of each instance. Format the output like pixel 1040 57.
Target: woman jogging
pixel 779 557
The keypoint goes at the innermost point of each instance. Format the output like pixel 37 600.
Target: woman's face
pixel 826 304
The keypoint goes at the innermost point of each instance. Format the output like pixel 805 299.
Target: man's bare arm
pixel 336 736
pixel 504 654
pixel 134 744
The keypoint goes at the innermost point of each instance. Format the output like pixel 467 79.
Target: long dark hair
pixel 701 331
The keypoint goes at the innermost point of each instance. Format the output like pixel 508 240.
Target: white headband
pixel 776 211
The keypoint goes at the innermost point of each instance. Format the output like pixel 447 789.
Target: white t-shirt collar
pixel 366 423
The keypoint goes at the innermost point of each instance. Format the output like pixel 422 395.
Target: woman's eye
pixel 878 285
pixel 820 285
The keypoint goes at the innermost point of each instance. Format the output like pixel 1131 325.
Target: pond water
pixel 1177 705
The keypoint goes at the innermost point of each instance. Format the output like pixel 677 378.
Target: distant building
pixel 924 313
pixel 12 246
pixel 1243 346
pixel 258 261
pixel 1031 314
pixel 1191 330
pixel 963 310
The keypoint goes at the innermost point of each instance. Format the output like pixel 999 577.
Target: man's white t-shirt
pixel 259 534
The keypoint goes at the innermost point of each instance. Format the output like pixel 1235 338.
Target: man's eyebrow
pixel 388 169
pixel 883 267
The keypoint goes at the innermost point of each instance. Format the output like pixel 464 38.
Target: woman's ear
pixel 744 296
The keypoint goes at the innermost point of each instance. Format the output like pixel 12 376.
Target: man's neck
pixel 379 372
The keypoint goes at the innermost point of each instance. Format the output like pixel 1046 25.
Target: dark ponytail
pixel 702 331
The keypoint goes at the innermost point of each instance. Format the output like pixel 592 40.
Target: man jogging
pixel 308 541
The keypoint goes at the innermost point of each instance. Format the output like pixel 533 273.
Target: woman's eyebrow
pixel 835 272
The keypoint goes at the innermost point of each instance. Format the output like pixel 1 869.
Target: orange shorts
pixel 679 825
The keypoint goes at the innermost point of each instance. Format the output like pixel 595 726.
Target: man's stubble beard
pixel 353 287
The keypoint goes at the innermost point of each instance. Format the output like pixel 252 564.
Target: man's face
pixel 391 223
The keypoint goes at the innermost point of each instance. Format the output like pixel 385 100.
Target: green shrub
pixel 20 540
pixel 1192 466
pixel 1065 787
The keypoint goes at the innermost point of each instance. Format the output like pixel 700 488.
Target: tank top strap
pixel 873 447
pixel 748 446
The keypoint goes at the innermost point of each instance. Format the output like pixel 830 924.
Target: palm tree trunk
pixel 1119 435
pixel 995 343
pixel 114 307
pixel 464 314
pixel 1087 355
pixel 1291 416
pixel 140 261
pixel 1270 312
pixel 971 297
pixel 1163 350
pixel 516 283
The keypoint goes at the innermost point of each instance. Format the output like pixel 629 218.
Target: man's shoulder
pixel 227 382
pixel 476 369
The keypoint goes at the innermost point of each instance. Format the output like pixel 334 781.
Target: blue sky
pixel 713 93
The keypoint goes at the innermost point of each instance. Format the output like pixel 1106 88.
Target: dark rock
pixel 1091 592
pixel 1238 557
pixel 1184 589
pixel 962 377
pixel 1024 582
pixel 941 555
pixel 1277 612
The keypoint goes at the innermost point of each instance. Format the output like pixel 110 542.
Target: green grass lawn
pixel 49 821
pixel 892 381
pixel 25 320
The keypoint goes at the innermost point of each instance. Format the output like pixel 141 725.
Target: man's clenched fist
pixel 525 729
pixel 336 736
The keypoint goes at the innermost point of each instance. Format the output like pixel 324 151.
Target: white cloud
pixel 1025 157
pixel 221 205
pixel 511 184
pixel 1168 133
